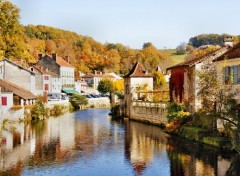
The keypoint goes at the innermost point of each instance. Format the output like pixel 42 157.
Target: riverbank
pixel 192 133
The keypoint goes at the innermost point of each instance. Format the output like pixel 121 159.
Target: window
pixel 46 87
pixel 4 101
pixel 46 77
pixel 231 74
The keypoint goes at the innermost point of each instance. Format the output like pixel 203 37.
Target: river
pixel 90 143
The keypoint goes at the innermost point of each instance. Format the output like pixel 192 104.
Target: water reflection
pixel 90 143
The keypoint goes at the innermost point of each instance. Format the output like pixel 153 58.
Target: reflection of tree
pixel 234 167
pixel 194 159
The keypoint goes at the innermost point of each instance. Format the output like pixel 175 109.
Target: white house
pixel 80 86
pixel 46 81
pixel 13 100
pixel 17 74
pixel 136 79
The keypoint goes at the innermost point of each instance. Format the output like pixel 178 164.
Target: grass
pixel 173 57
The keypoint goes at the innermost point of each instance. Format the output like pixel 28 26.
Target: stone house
pixel 135 80
pixel 17 74
pixel 59 66
pixel 13 100
pixel 46 81
pixel 183 84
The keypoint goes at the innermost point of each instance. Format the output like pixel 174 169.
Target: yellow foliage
pixel 119 85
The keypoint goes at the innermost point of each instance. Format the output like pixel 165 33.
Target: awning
pixel 70 91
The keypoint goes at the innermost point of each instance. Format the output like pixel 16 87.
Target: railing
pixel 149 104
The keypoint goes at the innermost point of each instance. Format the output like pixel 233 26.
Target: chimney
pixel 66 58
pixel 54 56
pixel 95 72
pixel 39 56
pixel 24 63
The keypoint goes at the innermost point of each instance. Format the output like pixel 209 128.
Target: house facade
pixel 46 81
pixel 81 86
pixel 134 81
pixel 59 66
pixel 229 66
pixel 13 100
pixel 183 83
pixel 17 74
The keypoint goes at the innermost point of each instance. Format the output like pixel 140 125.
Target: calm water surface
pixel 90 143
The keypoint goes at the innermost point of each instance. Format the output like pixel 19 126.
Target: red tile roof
pixel 60 61
pixel 17 90
pixel 138 70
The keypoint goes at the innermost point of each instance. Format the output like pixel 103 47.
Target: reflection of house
pixel 94 79
pixel 59 66
pixel 183 81
pixel 136 79
pixel 13 99
pixel 141 145
pixel 46 81
pixel 17 75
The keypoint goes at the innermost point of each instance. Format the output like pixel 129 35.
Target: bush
pixel 38 111
pixel 201 119
pixel 179 112
pixel 78 100
pixel 57 110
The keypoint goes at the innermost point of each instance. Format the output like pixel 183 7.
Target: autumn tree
pixel 150 56
pixel 12 40
pixel 159 81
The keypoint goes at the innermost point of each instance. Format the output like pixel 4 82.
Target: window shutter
pixel 4 101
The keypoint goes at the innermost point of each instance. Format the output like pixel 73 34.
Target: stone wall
pixel 150 112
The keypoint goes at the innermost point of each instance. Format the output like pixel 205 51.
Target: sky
pixel 164 23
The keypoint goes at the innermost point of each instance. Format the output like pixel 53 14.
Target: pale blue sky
pixel 165 23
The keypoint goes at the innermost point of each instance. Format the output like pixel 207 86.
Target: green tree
pixel 78 100
pixel 181 49
pixel 105 86
pixel 217 97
